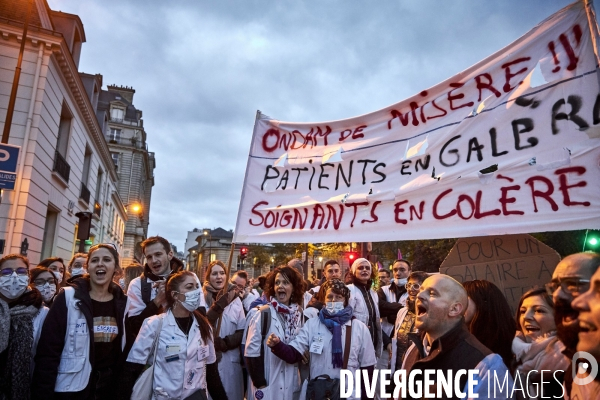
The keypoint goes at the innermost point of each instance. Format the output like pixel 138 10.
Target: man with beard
pixel 146 293
pixel 571 278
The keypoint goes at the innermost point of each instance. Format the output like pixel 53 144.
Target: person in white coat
pixel 270 376
pixel 364 300
pixel 185 361
pixel 325 338
pixel 22 314
pixel 229 338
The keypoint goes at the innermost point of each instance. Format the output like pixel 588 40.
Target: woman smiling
pixel 81 342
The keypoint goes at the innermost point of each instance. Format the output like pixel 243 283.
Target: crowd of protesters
pixel 90 329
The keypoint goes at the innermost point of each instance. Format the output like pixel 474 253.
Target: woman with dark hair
pixel 185 361
pixel 57 266
pixel 22 314
pixel 329 331
pixel 536 346
pixel 364 300
pixel 228 339
pixel 77 264
pixel 80 352
pixel 489 318
pixel 45 282
pixel 270 376
pixel 132 271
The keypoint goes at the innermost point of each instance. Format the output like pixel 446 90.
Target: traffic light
pixel 352 256
pixel 592 241
pixel 243 253
pixel 312 265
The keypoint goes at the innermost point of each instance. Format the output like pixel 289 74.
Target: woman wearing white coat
pixel 271 377
pixel 364 300
pixel 185 357
pixel 229 338
pixel 325 337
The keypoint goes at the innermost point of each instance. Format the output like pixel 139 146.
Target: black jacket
pixel 390 310
pixel 52 340
pixel 457 349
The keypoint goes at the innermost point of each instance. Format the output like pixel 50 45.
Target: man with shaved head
pixel 444 342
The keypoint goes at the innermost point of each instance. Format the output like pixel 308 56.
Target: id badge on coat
pixel 317 344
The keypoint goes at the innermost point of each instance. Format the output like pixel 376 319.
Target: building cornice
pixel 58 46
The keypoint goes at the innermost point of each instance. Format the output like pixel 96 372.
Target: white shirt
pixel 180 368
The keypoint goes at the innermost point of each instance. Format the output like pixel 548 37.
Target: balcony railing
pixel 126 142
pixel 61 166
pixel 97 209
pixel 85 193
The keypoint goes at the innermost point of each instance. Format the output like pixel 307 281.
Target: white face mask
pixel 334 307
pixel 122 283
pixel 47 290
pixel 401 282
pixel 58 276
pixel 12 286
pixel 192 299
pixel 77 271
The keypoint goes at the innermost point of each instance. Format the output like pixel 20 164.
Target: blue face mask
pixel 334 307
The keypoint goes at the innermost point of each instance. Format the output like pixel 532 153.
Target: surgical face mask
pixel 401 282
pixel 58 276
pixel 334 307
pixel 192 299
pixel 48 290
pixel 77 271
pixel 12 286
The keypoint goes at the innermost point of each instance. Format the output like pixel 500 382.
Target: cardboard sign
pixel 514 263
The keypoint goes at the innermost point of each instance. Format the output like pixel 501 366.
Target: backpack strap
pixel 146 286
pixel 347 345
pixel 265 325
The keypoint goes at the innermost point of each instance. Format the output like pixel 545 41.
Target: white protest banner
pixel 511 145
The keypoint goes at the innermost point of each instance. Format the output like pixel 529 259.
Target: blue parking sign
pixel 9 155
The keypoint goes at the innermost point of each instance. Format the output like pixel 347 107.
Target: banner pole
pixel 226 286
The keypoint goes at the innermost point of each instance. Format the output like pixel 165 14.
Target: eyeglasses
pixel 568 285
pixel 9 271
pixel 363 267
pixel 42 282
pixel 413 286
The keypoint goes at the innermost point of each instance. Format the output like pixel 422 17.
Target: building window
pixel 116 114
pixel 115 135
pixel 49 233
pixel 115 157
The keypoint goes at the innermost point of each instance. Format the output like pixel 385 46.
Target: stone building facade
pixel 65 165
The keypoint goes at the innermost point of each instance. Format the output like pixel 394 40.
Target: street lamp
pixel 135 208
pixel 208 232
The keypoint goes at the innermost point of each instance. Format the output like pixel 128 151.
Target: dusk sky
pixel 201 70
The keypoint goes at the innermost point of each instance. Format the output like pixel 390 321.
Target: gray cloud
pixel 202 69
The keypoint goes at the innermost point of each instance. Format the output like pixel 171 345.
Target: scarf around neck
pixel 210 294
pixel 291 316
pixel 334 323
pixel 16 337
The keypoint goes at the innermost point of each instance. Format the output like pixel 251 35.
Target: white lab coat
pixel 253 295
pixel 176 379
pixel 230 367
pixel 135 303
pixel 360 312
pixel 362 353
pixel 283 379
pixel 309 295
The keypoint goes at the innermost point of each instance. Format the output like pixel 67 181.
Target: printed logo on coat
pixel 259 394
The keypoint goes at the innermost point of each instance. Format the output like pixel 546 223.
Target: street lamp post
pixel 208 232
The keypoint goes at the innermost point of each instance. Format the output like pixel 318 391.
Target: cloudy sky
pixel 201 69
